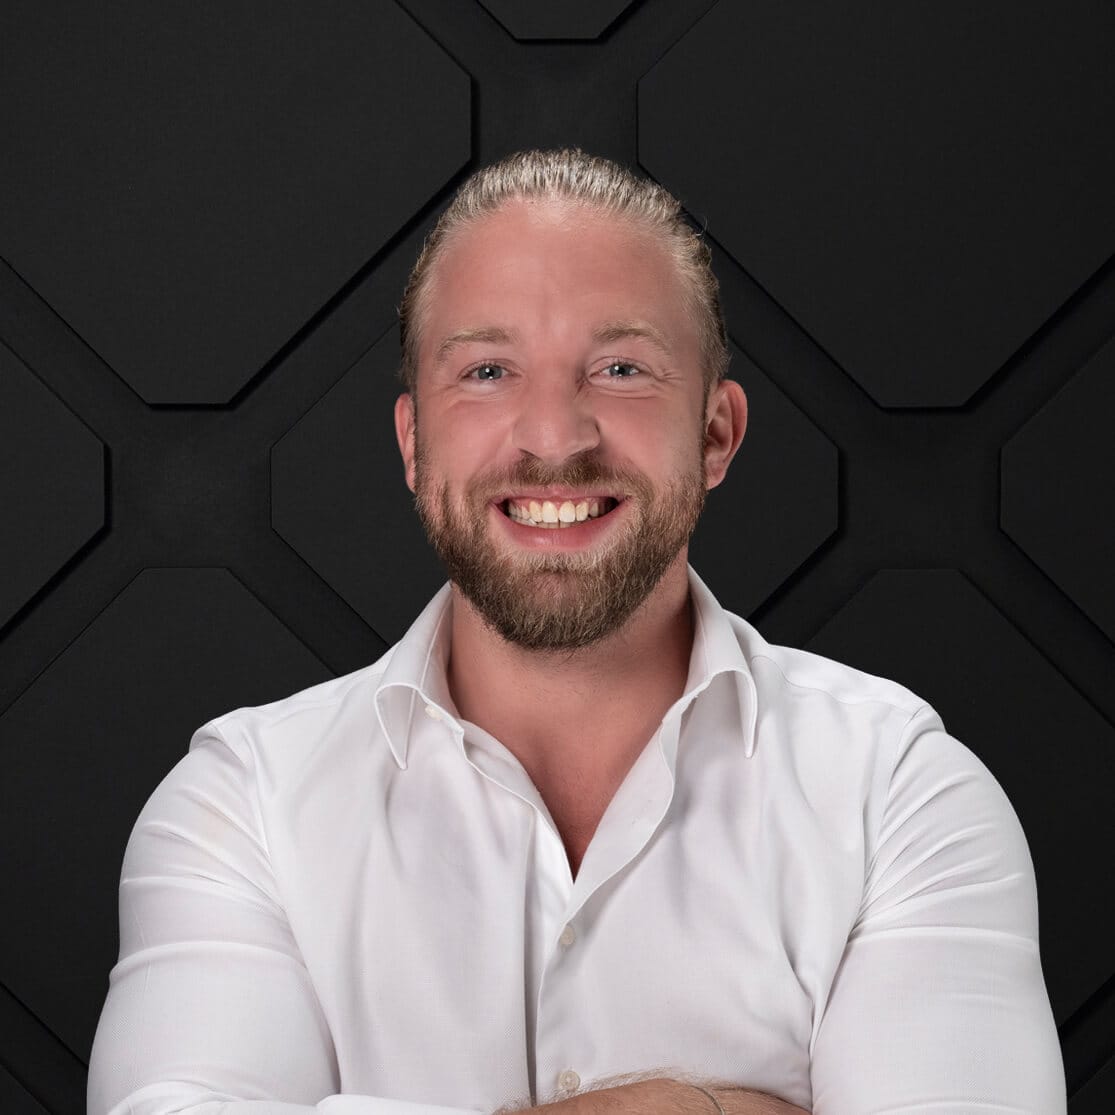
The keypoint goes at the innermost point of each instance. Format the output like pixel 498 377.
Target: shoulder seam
pixel 896 756
pixel 252 792
pixel 827 693
pixel 278 717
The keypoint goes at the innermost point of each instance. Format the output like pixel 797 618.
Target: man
pixel 582 837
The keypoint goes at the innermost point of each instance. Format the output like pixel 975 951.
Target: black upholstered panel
pixel 1095 1097
pixel 1059 491
pixel 557 19
pixel 188 184
pixel 51 484
pixel 921 187
pixel 339 498
pixel 38 1062
pixel 16 1100
pixel 777 504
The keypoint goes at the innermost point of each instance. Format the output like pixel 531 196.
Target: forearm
pixel 665 1096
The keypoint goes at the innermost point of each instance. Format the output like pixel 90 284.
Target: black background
pixel 207 213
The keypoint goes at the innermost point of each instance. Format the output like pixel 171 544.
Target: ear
pixel 725 423
pixel 404 433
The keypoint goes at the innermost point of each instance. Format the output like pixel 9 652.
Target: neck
pixel 593 705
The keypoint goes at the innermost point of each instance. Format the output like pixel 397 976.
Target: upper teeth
pixel 550 514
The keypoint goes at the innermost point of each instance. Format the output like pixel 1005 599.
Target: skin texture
pixel 528 290
pixel 665 1096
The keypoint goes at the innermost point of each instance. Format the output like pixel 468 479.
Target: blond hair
pixel 571 175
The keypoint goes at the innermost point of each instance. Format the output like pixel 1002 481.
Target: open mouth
pixel 557 514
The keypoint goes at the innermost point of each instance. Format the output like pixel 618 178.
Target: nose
pixel 555 421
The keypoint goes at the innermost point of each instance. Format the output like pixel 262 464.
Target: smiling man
pixel 571 421
pixel 582 838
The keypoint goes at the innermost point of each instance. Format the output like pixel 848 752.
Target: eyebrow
pixel 608 333
pixel 483 335
pixel 612 331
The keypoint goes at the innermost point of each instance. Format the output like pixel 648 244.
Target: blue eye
pixel 621 371
pixel 486 373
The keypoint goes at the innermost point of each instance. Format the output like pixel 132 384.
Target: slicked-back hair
pixel 570 175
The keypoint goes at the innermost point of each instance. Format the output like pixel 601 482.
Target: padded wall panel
pixel 557 19
pixel 51 484
pixel 339 498
pixel 1095 1097
pixel 778 503
pixel 188 184
pixel 1058 493
pixel 16 1100
pixel 35 1059
pixel 920 186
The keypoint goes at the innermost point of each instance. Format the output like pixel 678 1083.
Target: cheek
pixel 456 449
pixel 658 445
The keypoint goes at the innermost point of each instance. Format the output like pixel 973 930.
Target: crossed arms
pixel 938 1004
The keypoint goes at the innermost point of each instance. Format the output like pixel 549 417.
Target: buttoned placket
pixel 549 898
pixel 562 1046
pixel 565 1044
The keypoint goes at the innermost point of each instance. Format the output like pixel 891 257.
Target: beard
pixel 560 601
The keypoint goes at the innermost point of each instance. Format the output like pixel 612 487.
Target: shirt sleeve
pixel 939 1005
pixel 210 1008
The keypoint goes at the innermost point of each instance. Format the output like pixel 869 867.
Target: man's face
pixel 559 378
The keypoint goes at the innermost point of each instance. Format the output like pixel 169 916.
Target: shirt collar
pixel 415 676
pixel 719 641
pixel 414 679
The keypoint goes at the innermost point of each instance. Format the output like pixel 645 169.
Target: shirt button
pixel 433 712
pixel 568 936
pixel 568 1080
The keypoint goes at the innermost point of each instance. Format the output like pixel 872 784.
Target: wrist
pixel 659 1096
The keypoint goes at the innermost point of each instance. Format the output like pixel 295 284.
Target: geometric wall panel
pixel 38 1062
pixel 339 497
pixel 1052 752
pixel 903 191
pixel 1058 489
pixel 223 172
pixel 1097 1097
pixel 14 1100
pixel 557 19
pixel 85 745
pixel 777 504
pixel 52 497
pixel 919 191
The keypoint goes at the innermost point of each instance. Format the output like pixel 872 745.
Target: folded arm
pixel 210 1009
pixel 939 1005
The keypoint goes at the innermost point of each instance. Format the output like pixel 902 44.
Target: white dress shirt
pixel 353 902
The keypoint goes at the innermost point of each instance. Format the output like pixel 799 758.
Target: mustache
pixel 583 470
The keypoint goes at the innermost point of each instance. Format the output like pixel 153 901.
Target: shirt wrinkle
pixel 827 693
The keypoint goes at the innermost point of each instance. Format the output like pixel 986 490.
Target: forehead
pixel 553 268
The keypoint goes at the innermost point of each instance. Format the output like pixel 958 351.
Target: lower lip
pixel 572 537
